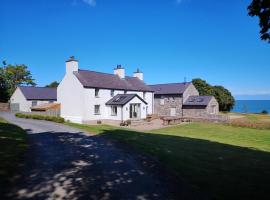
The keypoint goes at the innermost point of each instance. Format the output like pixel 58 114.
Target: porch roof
pixel 123 99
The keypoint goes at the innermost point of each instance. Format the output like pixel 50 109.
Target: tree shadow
pixel 220 171
pixel 76 166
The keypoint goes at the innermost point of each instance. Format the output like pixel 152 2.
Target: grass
pixel 222 161
pixel 41 117
pixel 12 146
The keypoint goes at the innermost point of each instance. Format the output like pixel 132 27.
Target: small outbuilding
pixel 25 97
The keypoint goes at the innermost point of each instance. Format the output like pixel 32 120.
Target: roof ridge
pixel 170 83
pixel 35 87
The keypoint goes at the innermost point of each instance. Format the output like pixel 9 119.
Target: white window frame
pixel 97 92
pixel 114 112
pixel 97 109
pixel 112 93
pixel 162 101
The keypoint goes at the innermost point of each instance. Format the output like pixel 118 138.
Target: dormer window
pixel 96 92
pixel 112 93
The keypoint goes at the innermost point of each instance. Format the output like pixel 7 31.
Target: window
pixel 162 102
pixel 97 109
pixel 51 101
pixel 125 92
pixel 34 103
pixel 96 92
pixel 172 99
pixel 114 110
pixel 144 95
pixel 112 93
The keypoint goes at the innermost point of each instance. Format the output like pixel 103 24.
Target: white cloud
pixel 90 2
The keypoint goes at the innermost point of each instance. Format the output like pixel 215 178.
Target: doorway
pixel 135 111
pixel 172 112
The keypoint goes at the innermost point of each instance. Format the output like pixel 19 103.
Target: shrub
pixel 41 117
pixel 265 112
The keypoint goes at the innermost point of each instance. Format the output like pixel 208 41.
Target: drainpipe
pixel 122 113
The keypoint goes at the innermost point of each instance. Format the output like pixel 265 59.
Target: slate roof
pixel 39 93
pixel 198 101
pixel 123 99
pixel 170 88
pixel 92 79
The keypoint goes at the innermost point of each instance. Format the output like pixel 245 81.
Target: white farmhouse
pixel 89 96
pixel 25 97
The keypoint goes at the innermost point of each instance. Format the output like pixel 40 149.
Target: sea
pixel 251 106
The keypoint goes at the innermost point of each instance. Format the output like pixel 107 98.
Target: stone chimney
pixel 72 65
pixel 120 71
pixel 138 74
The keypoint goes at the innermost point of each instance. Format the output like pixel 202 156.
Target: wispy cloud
pixel 92 3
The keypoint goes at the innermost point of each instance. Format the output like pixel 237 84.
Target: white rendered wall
pixel 70 93
pixel 18 97
pixel 126 108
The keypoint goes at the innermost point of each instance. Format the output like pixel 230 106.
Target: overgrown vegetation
pixel 257 121
pixel 224 162
pixel 41 117
pixel 223 96
pixel 13 144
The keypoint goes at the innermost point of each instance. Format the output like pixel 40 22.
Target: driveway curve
pixel 66 163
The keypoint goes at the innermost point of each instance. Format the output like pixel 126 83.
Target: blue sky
pixel 167 39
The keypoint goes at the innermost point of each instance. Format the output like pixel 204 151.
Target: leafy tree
pixel 223 96
pixel 53 84
pixel 11 77
pixel 261 9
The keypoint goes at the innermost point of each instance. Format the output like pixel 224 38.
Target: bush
pixel 265 112
pixel 41 117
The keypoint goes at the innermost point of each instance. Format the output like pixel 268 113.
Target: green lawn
pixel 222 161
pixel 12 146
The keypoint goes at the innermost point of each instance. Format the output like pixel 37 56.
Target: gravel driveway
pixel 66 163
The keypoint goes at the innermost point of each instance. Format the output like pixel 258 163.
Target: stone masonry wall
pixel 170 101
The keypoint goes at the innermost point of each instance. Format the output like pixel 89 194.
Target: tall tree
pixel 261 9
pixel 53 84
pixel 12 76
pixel 223 96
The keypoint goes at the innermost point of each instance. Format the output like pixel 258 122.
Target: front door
pixel 173 112
pixel 135 111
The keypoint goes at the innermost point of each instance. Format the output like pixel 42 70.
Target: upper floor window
pixel 112 93
pixel 97 109
pixel 144 95
pixel 162 101
pixel 125 92
pixel 96 92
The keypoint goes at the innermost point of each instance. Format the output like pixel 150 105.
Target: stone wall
pixel 170 101
pixel 202 111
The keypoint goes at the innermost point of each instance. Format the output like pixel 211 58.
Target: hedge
pixel 41 117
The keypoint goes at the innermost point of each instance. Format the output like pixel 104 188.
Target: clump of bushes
pixel 41 117
pixel 255 125
pixel 265 112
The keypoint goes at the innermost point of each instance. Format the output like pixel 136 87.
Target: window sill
pixel 97 114
pixel 113 115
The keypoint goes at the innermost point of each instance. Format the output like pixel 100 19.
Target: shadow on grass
pixel 12 147
pixel 77 166
pixel 221 171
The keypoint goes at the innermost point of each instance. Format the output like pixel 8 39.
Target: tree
pixel 261 9
pixel 53 84
pixel 12 76
pixel 223 96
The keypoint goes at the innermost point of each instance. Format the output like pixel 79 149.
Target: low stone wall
pixel 4 106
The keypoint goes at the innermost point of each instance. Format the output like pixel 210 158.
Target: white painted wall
pixel 25 105
pixel 70 93
pixel 127 107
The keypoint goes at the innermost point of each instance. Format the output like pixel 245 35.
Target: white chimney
pixel 138 74
pixel 72 65
pixel 120 71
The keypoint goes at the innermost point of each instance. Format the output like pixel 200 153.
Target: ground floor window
pixel 114 110
pixel 97 110
pixel 213 109
pixel 34 103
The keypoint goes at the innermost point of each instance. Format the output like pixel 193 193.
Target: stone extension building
pixel 182 99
